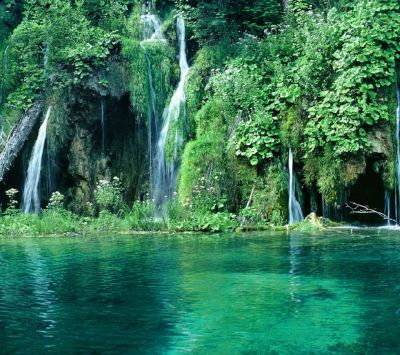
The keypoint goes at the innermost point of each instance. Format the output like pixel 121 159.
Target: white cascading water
pixel 103 125
pixel 152 119
pixel 49 171
pixel 152 31
pixel 387 207
pixel 295 212
pixel 165 169
pixel 31 200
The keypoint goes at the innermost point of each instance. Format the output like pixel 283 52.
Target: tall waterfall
pixel 31 200
pixel 152 119
pixel 165 167
pixel 151 32
pixel 295 212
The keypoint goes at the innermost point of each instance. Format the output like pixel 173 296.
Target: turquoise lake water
pixel 269 293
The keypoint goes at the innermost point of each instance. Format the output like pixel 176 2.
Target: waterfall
pixel 151 32
pixel 295 213
pixel 103 126
pixel 153 117
pixel 165 168
pixel 49 171
pixel 387 206
pixel 31 201
pixel 151 28
pixel 46 58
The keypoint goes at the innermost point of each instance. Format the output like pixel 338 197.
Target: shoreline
pixel 137 233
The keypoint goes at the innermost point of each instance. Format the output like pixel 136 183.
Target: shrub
pixel 142 217
pixel 108 195
pixel 56 201
pixel 12 201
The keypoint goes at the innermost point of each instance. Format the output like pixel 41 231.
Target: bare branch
pixel 251 196
pixel 356 208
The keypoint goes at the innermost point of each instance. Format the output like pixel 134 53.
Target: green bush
pixel 108 195
pixel 142 217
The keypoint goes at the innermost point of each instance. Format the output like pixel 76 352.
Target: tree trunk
pixel 17 137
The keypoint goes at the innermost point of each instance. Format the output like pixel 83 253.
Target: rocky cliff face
pixel 86 161
pixel 80 150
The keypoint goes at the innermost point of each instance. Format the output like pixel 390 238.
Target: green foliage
pixel 211 21
pixel 108 195
pixel 56 221
pixel 204 157
pixel 257 140
pixel 326 171
pixel 134 53
pixel 156 56
pixel 270 195
pixel 321 81
pixel 26 73
pixel 141 217
pixel 107 14
pixel 56 201
pixel 364 65
pixel 49 222
pixel 240 181
pixel 186 217
pixel 107 222
pixel 12 201
pixel 165 72
pixel 10 16
pixel 206 61
pixel 54 40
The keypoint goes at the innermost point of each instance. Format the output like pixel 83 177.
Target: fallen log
pixel 17 137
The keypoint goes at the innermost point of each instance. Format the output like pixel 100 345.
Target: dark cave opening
pixel 106 139
pixel 127 146
pixel 368 191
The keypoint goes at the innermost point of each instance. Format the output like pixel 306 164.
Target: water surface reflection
pixel 259 292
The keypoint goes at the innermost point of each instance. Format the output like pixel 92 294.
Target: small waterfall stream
pixel 49 165
pixel 151 28
pixel 152 118
pixel 103 126
pixel 46 58
pixel 165 168
pixel 387 207
pixel 31 200
pixel 295 212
